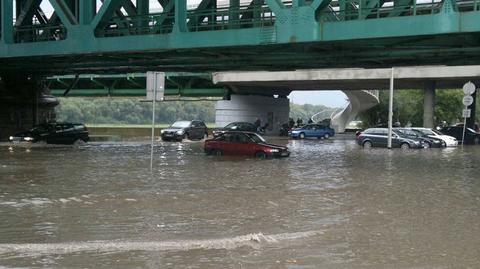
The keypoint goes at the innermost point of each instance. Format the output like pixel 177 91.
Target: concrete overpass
pixel 428 78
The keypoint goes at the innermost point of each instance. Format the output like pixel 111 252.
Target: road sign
pixel 469 88
pixel 466 113
pixel 467 100
pixel 155 83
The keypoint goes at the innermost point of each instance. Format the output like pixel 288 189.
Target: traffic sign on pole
pixel 466 113
pixel 468 88
pixel 155 86
pixel 467 100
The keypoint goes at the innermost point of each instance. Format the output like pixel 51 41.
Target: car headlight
pixel 162 131
pixel 180 132
pixel 28 138
pixel 274 150
pixel 11 138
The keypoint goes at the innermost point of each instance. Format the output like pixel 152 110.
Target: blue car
pixel 312 130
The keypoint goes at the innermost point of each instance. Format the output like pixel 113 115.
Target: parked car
pixel 312 130
pixel 471 137
pixel 243 143
pixel 54 133
pixel 180 130
pixel 378 137
pixel 235 126
pixel 450 141
pixel 428 142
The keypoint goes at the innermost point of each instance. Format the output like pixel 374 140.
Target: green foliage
pixel 408 107
pixel 306 111
pixel 132 111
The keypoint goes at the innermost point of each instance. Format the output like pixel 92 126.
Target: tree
pixel 408 107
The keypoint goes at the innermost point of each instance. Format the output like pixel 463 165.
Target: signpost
pixel 155 92
pixel 468 90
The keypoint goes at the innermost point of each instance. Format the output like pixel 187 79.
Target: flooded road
pixel 330 204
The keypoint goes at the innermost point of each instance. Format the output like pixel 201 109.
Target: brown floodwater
pixel 331 204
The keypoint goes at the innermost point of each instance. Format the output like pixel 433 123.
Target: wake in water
pixel 252 240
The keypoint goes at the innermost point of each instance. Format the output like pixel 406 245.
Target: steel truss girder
pixel 300 22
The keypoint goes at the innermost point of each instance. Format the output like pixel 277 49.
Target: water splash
pixel 252 240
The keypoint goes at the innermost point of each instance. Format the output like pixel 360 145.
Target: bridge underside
pixel 459 49
pixel 415 77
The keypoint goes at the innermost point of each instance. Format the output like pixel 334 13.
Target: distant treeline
pixel 132 111
pixel 408 108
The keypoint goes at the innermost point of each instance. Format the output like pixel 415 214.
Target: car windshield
pixel 41 128
pixel 180 124
pixel 232 126
pixel 427 131
pixel 256 138
pixel 407 133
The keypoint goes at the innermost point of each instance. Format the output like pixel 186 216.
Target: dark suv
pixel 471 137
pixel 180 130
pixel 378 137
pixel 54 133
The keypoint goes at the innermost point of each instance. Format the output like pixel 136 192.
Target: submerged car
pixel 312 130
pixel 243 143
pixel 428 142
pixel 236 126
pixel 54 133
pixel 378 137
pixel 471 137
pixel 180 130
pixel 450 141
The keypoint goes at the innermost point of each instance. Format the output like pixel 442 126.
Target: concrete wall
pixel 274 111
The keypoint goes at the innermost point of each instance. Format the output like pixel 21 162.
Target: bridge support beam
pixel 248 108
pixel 7 21
pixel 22 105
pixel 429 105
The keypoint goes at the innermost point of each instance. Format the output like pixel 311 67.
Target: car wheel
pixel 78 142
pixel 260 155
pixel 326 136
pixel 205 136
pixel 367 144
pixel 427 145
pixel 405 146
pixel 187 135
pixel 301 135
pixel 217 152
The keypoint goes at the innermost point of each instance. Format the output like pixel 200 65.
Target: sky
pixel 326 98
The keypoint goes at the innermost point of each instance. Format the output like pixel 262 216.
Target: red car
pixel 243 143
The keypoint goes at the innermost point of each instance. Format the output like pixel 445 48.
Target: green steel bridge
pixel 125 36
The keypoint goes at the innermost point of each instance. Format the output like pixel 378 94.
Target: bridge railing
pixel 244 16
pixel 197 20
pixel 39 33
pixel 379 10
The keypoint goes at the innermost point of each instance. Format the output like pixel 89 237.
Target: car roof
pixel 243 132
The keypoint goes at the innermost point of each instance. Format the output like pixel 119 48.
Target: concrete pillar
pixel 247 108
pixel 21 107
pixel 429 105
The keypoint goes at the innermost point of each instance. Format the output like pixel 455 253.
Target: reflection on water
pixel 330 205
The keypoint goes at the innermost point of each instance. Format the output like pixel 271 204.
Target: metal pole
pixel 463 133
pixel 390 111
pixel 153 122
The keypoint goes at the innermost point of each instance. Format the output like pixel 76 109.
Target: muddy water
pixel 330 205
